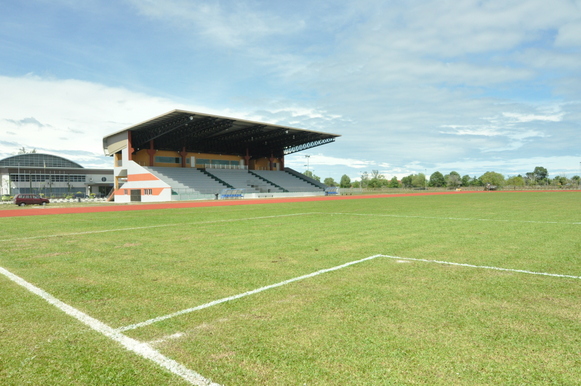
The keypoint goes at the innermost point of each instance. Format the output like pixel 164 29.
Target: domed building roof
pixel 38 160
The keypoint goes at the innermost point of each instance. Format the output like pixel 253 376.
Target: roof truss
pixel 206 133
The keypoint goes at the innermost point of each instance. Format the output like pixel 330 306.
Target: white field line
pixel 230 298
pixel 142 349
pixel 283 215
pixel 456 218
pixel 155 226
pixel 261 289
pixel 482 267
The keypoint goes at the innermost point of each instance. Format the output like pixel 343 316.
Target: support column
pixel 151 152
pixel 130 148
pixel 247 159
pixel 183 154
pixel 271 162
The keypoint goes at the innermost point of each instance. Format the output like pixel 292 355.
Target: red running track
pixel 46 210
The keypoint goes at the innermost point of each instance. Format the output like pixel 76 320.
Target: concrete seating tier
pixel 288 181
pixel 187 178
pixel 254 181
pixel 242 179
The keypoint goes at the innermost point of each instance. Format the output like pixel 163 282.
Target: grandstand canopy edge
pixel 191 132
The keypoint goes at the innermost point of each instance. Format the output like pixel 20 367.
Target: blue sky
pixel 412 87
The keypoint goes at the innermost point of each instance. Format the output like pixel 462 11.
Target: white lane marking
pixel 456 218
pixel 142 349
pixel 287 215
pixel 155 226
pixel 483 267
pixel 230 298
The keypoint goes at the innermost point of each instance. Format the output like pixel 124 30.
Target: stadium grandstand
pixel 185 155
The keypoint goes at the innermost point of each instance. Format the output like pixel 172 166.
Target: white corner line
pixel 261 289
pixel 482 267
pixel 142 349
pixel 241 295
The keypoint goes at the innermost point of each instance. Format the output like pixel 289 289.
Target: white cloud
pixel 569 35
pixel 60 116
pixel 491 131
pixel 316 160
pixel 533 117
pixel 230 24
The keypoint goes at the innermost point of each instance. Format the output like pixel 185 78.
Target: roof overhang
pixel 214 134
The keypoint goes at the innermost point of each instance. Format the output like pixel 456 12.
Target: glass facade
pixel 32 177
pixel 170 160
pixel 201 162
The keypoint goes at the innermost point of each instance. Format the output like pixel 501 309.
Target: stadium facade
pixel 52 176
pixel 184 155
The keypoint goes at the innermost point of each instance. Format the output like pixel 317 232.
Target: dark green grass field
pixel 403 318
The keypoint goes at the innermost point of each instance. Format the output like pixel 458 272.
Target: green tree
pixel 476 181
pixel 492 178
pixel 537 177
pixel 377 180
pixel 23 150
pixel 364 180
pixel 516 181
pixel 453 180
pixel 466 180
pixel 329 181
pixel 576 180
pixel 541 173
pixel 407 181
pixel 345 181
pixel 393 183
pixel 419 180
pixel 560 181
pixel 437 180
pixel 312 175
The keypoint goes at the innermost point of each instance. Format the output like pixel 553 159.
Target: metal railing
pixel 218 166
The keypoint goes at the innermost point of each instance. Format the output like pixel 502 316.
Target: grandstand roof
pixel 206 133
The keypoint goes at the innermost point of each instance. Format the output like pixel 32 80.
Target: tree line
pixel 374 180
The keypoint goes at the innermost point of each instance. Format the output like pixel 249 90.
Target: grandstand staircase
pixel 212 181
pixel 188 179
pixel 244 179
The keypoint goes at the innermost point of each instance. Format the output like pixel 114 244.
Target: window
pixel 216 162
pixel 168 160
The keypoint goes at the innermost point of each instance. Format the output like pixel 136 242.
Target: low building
pixel 52 176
